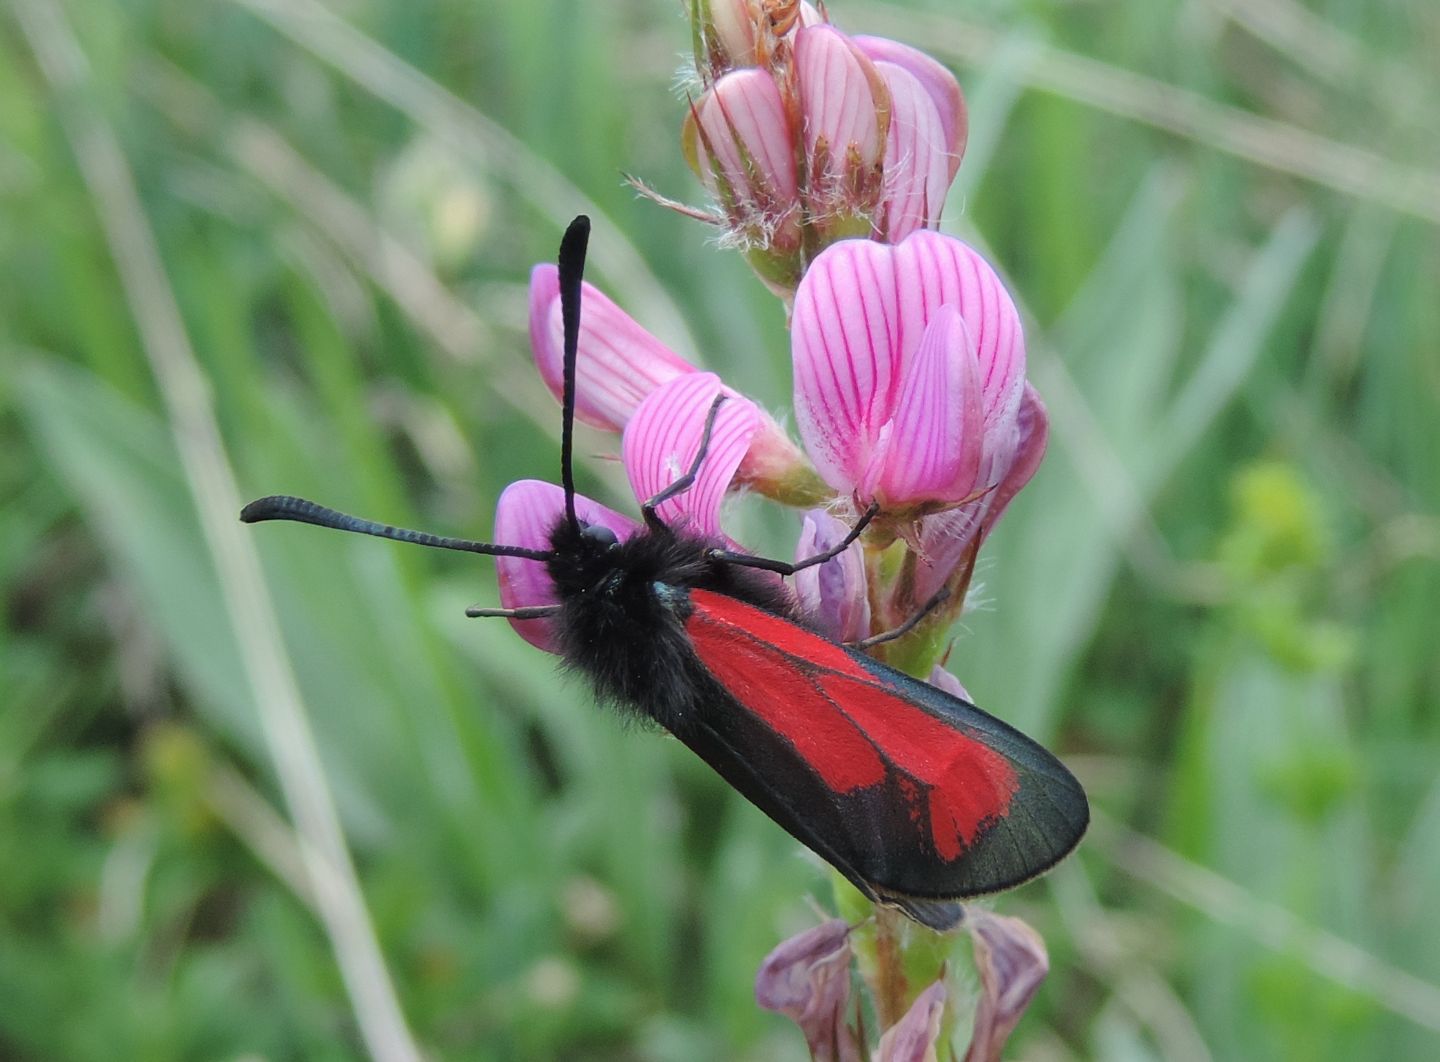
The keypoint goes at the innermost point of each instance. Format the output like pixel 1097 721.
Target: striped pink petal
pixel 743 120
pixel 663 437
pixel 524 516
pixel 932 446
pixel 861 312
pixel 618 362
pixel 917 160
pixel 843 343
pixel 832 594
pixel 837 96
pixel 939 84
pixel 931 270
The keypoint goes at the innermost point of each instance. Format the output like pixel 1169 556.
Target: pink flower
pixel 739 33
pixel 844 117
pixel 833 594
pixel 939 85
pixel 910 388
pixel 619 362
pixel 807 978
pixel 659 445
pixel 879 127
pixel 738 139
pixel 909 370
pixel 917 159
pixel 1012 962
pixel 914 1037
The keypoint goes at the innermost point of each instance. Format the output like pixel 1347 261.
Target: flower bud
pixel 807 978
pixel 845 119
pixel 1012 962
pixel 739 142
pixel 833 593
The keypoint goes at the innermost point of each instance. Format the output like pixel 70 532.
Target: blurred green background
pixel 1217 600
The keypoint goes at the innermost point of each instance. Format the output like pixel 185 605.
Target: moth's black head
pixel 581 556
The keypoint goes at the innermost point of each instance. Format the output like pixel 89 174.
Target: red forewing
pixel 909 791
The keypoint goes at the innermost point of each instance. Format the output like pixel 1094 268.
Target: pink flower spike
pixel 524 516
pixel 838 103
pixel 931 447
pixel 833 594
pixel 807 978
pixel 913 1038
pixel 1012 962
pixel 618 362
pixel 743 121
pixel 661 441
pixel 917 162
pixel 939 84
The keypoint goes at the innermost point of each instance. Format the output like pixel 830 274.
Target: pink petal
pixel 1012 962
pixel 834 594
pixel 931 270
pixel 939 84
pixel 913 1038
pixel 860 314
pixel 917 162
pixel 807 978
pixel 946 537
pixel 743 119
pixel 810 14
pixel 733 26
pixel 843 342
pixel 618 362
pixel 1033 433
pixel 837 96
pixel 524 516
pixel 661 441
pixel 932 448
pixel 943 680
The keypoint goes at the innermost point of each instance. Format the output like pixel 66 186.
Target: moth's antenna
pixel 284 507
pixel 572 271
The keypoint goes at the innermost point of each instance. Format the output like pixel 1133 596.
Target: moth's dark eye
pixel 600 535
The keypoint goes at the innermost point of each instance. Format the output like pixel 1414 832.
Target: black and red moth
pixel 918 797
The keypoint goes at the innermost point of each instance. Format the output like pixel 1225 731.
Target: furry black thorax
pixel 623 607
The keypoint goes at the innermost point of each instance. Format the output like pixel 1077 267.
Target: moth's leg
pixel 745 560
pixel 909 625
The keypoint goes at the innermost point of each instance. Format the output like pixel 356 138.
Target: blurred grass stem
pixel 187 402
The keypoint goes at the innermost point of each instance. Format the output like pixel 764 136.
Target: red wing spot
pixel 969 783
pixel 779 633
pixel 786 698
